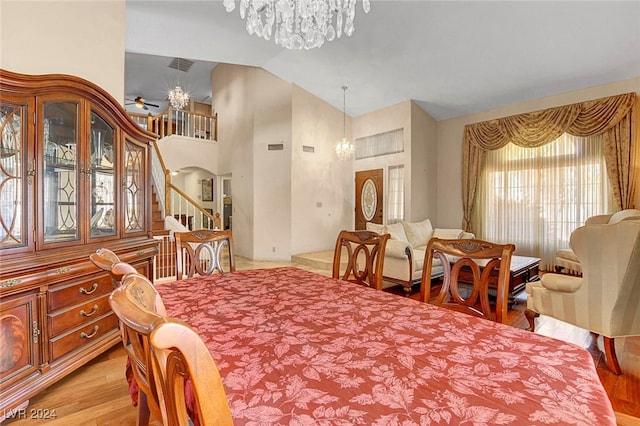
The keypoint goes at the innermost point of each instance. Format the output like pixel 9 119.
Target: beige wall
pixel 450 133
pixel 322 187
pixel 231 92
pixel 180 152
pixel 419 156
pixel 424 167
pixel 255 110
pixel 393 117
pixel 271 98
pixel 85 39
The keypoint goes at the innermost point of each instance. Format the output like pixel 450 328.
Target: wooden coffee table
pixel 523 270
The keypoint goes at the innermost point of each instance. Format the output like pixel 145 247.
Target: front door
pixel 368 197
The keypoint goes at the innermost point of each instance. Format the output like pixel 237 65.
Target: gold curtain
pixel 613 117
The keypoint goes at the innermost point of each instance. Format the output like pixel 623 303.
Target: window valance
pixel 613 117
pixel 537 128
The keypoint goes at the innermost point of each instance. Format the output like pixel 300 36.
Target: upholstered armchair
pixel 566 260
pixel 606 299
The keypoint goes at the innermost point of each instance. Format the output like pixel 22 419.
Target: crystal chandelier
pixel 177 97
pixel 344 148
pixel 298 24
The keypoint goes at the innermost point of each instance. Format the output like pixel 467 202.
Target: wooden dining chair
pixel 179 354
pixel 200 252
pixel 138 305
pixel 107 260
pixel 472 269
pixel 364 257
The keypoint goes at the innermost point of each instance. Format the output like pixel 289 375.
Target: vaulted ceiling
pixel 451 57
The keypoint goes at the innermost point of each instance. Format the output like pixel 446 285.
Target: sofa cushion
pixel 376 227
pixel 397 231
pixel 447 234
pixel 418 233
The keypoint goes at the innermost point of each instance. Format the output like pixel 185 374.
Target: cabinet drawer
pixel 65 319
pixel 84 335
pixel 79 291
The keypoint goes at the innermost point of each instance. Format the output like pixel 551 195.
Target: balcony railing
pixel 179 122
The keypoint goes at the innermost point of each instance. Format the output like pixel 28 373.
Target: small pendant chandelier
pixel 177 97
pixel 344 148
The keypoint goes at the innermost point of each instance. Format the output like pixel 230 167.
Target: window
pixel 535 197
pixel 395 203
pixel 381 144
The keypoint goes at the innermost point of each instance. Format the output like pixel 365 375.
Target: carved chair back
pixel 364 257
pixel 106 259
pixel 471 269
pixel 200 252
pixel 138 306
pixel 180 355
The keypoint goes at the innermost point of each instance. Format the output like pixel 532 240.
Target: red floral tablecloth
pixel 298 348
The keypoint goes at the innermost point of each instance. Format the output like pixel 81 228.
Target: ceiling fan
pixel 140 102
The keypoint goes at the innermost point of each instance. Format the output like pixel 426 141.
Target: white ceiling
pixel 451 57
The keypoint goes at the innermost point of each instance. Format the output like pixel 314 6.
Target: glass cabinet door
pixel 134 190
pixel 12 180
pixel 102 178
pixel 61 175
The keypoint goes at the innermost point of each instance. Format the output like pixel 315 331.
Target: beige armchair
pixel 606 299
pixel 566 260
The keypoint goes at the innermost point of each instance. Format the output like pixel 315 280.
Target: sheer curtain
pixel 535 197
pixel 395 202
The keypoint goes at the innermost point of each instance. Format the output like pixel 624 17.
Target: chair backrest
pixel 105 259
pixel 471 267
pixel 200 252
pixel 138 305
pixel 179 354
pixel 364 257
pixel 608 299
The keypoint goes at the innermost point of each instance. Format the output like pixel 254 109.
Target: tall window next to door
pixel 535 197
pixel 395 203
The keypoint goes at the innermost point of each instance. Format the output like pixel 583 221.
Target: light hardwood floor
pixel 97 394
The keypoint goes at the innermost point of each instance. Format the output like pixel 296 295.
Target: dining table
pixel 295 347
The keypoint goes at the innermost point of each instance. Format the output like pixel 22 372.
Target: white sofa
pixel 404 255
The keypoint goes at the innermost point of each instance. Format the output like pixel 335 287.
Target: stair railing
pixel 177 205
pixel 188 211
pixel 159 175
pixel 174 202
pixel 179 122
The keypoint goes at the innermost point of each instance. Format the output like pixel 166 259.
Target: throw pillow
pixel 397 232
pixel 418 233
pixel 375 227
pixel 447 234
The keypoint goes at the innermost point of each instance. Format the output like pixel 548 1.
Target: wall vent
pixel 307 148
pixel 275 147
pixel 181 64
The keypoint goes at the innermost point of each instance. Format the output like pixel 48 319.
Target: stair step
pixel 318 260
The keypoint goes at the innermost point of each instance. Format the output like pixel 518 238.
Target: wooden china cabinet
pixel 74 177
